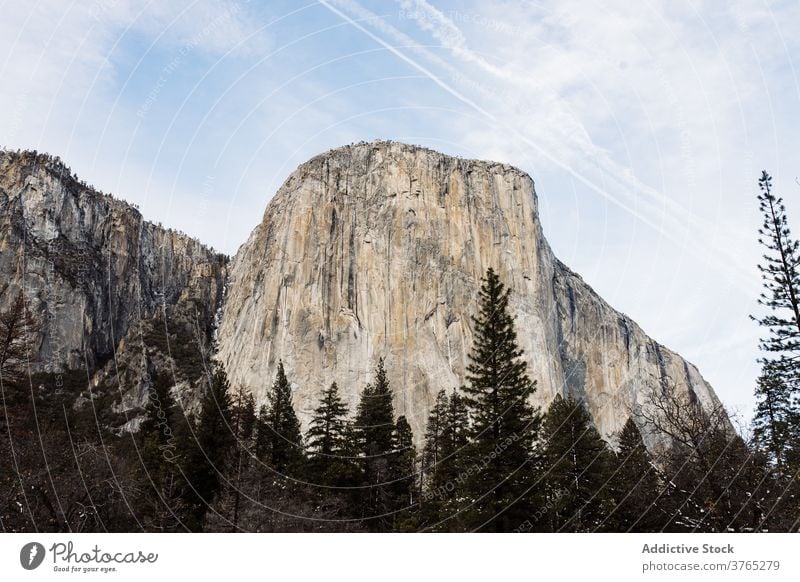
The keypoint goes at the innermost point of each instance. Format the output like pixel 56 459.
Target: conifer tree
pixel 374 422
pixel 206 459
pixel 498 393
pixel 160 505
pixel 243 423
pixel 328 430
pixel 451 470
pixel 777 409
pixel 576 465
pixel 446 440
pixel 633 486
pixel 403 476
pixel 456 432
pixel 330 444
pixel 157 431
pixel 263 434
pixel 776 417
pixel 434 437
pixel 374 430
pixel 279 429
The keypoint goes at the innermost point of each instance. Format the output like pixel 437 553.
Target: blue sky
pixel 645 127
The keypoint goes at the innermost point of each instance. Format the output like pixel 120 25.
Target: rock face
pixel 91 267
pixel 367 251
pixel 377 250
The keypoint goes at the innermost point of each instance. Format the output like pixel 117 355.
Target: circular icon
pixel 31 555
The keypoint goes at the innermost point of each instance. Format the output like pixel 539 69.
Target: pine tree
pixel 263 434
pixel 576 465
pixel 403 476
pixel 633 486
pixel 447 439
pixel 775 419
pixel 279 430
pixel 776 392
pixel 160 506
pixel 456 431
pixel 498 394
pixel 157 429
pixel 332 450
pixel 243 423
pixel 374 429
pixel 374 422
pixel 328 430
pixel 434 438
pixel 206 459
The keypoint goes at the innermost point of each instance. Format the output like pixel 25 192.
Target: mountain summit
pixel 376 250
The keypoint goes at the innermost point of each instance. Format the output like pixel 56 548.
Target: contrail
pixel 729 265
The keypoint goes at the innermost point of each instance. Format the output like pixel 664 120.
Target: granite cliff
pixel 377 250
pixel 366 251
pixel 108 289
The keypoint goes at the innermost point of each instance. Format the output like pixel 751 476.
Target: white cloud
pixel 57 57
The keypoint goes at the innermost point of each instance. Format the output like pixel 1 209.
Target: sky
pixel 644 125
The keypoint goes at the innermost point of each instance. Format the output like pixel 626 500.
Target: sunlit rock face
pixel 377 250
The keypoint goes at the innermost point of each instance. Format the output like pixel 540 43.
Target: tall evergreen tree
pixel 205 461
pixel 243 425
pixel 450 471
pixel 634 486
pixel 777 409
pixel 374 430
pixel 279 436
pixel 328 430
pixel 374 421
pixel 498 394
pixel 403 477
pixel 160 504
pixel 776 417
pixel 434 438
pixel 576 465
pixel 331 447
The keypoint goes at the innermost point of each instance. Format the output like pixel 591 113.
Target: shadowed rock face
pixel 91 268
pixel 377 250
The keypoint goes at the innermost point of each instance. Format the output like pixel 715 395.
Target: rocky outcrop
pixel 92 270
pixel 377 250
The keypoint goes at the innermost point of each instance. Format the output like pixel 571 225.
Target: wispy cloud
pixel 516 101
pixel 655 109
pixel 645 125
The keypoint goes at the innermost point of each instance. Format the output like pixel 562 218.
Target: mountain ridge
pixel 376 193
pixel 97 277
